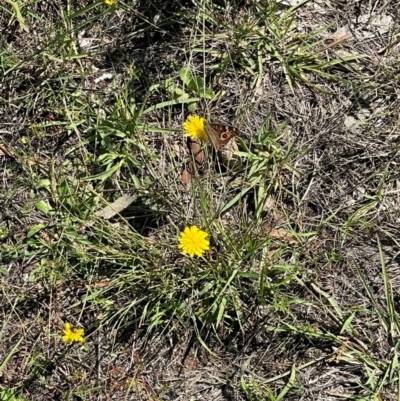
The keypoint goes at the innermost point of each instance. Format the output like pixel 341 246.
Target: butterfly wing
pixel 219 134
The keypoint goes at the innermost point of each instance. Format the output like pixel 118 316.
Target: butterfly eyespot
pixel 219 134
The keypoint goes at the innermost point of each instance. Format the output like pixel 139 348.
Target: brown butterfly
pixel 219 134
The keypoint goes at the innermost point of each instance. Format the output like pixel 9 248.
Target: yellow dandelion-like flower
pixel 193 241
pixel 109 2
pixel 194 127
pixel 72 335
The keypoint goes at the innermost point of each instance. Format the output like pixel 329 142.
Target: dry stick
pixel 335 42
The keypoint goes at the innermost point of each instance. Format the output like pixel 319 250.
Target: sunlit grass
pixel 95 125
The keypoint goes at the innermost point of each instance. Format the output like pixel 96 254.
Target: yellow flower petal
pixel 192 241
pixel 194 128
pixel 72 335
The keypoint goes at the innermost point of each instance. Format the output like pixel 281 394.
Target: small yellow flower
pixel 110 2
pixel 193 241
pixel 194 127
pixel 71 335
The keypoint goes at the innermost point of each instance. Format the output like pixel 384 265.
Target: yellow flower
pixel 71 335
pixel 194 127
pixel 110 2
pixel 193 241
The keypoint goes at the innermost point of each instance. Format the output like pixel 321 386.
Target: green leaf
pixel 45 183
pixel 196 85
pixel 43 207
pixel 347 323
pixel 35 229
pixel 186 76
pixel 289 385
pixel 192 107
pixel 221 310
pixel 207 94
pixel 18 14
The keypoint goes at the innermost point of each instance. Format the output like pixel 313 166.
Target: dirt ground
pixel 325 327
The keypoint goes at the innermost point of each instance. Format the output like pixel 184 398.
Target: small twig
pixel 335 42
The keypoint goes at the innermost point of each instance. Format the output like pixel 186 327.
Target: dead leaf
pixel 198 154
pixel 185 178
pixel 282 234
pixel 151 239
pixel 116 207
pixel 272 252
pixel 382 22
pixel 33 160
pixel 100 284
pixel 4 151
